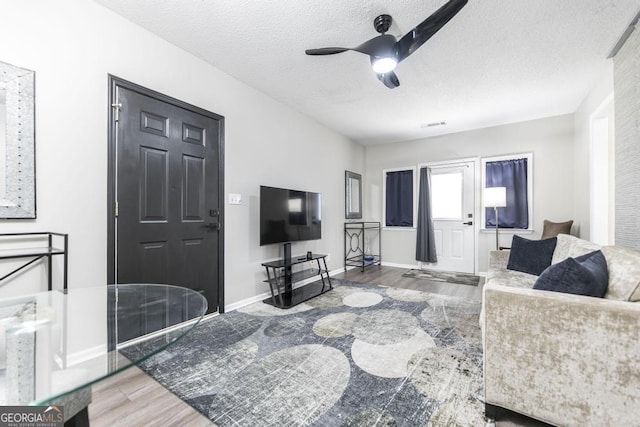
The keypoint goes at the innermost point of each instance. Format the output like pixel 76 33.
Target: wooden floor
pixel 390 276
pixel 134 399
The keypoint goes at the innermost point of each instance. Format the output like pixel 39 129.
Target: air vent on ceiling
pixel 433 124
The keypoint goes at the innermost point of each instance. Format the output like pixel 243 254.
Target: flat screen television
pixel 289 215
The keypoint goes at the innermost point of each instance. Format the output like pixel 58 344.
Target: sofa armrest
pixel 498 260
pixel 561 358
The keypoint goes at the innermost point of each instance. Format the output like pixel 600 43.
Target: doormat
pixel 359 355
pixel 444 277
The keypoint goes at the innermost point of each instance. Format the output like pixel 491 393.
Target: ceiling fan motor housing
pixel 386 52
pixel 382 23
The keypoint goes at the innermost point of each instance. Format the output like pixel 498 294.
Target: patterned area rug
pixel 444 276
pixel 360 355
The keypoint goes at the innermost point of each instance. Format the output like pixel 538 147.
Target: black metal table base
pixel 281 279
pixel 299 295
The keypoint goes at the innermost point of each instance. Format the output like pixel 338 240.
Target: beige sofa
pixel 565 359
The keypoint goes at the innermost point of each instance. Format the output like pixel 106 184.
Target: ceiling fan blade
pixel 415 38
pixel 381 45
pixel 326 50
pixel 389 79
pixel 377 46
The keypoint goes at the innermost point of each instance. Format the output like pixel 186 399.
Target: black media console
pixel 281 277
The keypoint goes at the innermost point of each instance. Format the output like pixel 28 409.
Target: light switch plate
pixel 235 199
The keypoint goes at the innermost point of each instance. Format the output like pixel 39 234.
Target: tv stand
pixel 281 278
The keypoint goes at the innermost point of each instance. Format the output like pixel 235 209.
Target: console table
pixel 281 279
pixel 42 249
pixel 356 251
pixel 57 343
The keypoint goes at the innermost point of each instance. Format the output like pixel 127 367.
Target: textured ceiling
pixel 496 62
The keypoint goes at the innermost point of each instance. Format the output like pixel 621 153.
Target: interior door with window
pixel 452 202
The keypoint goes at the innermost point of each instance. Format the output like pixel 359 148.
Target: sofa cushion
pixel 530 256
pixel 583 275
pixel 624 273
pixel 571 246
pixel 552 229
pixel 513 279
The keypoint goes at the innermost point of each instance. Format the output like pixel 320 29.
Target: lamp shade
pixel 495 197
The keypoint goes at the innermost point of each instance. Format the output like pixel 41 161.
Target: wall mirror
pixel 353 195
pixel 17 142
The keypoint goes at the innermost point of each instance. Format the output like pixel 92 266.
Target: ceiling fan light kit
pixel 383 65
pixel 386 52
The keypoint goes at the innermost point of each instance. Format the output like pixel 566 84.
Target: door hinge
pixel 116 209
pixel 116 111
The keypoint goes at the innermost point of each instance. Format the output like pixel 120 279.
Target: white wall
pixel 73 46
pixel 3 132
pixel 550 140
pixel 627 152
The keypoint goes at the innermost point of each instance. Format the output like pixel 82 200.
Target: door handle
pixel 213 226
pixel 468 223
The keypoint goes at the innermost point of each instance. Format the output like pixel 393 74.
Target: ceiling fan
pixel 386 52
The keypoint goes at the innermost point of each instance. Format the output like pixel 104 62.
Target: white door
pixel 452 202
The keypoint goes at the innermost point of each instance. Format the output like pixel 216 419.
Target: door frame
pixel 476 198
pixel 114 83
pixel 602 227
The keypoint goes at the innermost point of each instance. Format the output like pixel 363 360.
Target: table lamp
pixel 495 197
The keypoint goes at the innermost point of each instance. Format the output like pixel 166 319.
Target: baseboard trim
pixel 84 355
pixel 243 303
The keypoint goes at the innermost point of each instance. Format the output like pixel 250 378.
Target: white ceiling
pixel 496 62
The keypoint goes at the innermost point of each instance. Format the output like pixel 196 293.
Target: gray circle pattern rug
pixel 360 355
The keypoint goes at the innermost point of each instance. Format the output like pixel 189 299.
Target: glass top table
pixel 58 342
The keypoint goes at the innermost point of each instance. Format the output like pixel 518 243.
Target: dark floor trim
pixel 498 413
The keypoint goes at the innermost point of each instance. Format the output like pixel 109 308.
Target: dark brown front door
pixel 167 192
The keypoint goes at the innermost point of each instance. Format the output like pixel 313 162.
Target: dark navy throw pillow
pixel 531 256
pixel 583 275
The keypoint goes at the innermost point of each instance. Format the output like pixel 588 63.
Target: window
pixel 398 195
pixel 514 173
pixel 446 195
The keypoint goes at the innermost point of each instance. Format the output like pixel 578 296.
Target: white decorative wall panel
pixel 627 117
